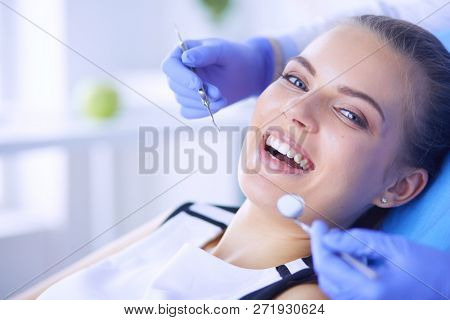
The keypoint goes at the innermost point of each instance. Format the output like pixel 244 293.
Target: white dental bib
pixel 170 264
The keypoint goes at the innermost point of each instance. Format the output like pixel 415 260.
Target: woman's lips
pixel 279 163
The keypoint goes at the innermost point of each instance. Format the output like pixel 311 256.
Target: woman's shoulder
pixel 305 291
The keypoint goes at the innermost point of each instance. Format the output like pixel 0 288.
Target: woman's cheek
pixel 267 106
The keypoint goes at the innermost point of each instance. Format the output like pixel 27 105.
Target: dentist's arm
pixel 406 270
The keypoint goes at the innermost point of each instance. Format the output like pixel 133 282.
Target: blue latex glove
pixel 230 72
pixel 406 270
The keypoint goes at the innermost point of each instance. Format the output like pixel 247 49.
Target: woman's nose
pixel 302 112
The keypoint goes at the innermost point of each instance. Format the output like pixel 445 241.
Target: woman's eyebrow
pixel 304 62
pixel 342 89
pixel 361 95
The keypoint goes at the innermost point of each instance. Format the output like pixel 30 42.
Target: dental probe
pixel 201 91
pixel 292 206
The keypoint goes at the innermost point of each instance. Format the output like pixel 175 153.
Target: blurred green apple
pixel 102 102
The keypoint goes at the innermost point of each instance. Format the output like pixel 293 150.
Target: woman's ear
pixel 404 189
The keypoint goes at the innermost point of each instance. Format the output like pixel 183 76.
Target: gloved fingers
pixel 337 290
pixel 212 91
pixel 359 242
pixel 318 230
pixel 203 55
pixel 335 274
pixel 190 113
pixel 327 263
pixel 178 72
pixel 193 102
pixel 192 43
pixel 181 90
pixel 329 287
pixel 193 108
pixel 200 112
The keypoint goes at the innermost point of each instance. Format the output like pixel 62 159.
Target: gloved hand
pixel 406 270
pixel 230 72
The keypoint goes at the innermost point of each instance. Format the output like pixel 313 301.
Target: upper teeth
pixel 286 150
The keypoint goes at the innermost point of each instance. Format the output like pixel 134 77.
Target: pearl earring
pixel 384 200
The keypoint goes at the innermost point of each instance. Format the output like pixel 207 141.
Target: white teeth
pixel 283 148
pixel 275 143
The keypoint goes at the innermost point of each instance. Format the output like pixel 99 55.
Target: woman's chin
pixel 261 187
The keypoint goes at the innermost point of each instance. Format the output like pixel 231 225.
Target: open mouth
pixel 283 150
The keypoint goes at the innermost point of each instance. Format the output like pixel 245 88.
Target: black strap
pixel 222 225
pixel 283 271
pixel 186 207
pixel 308 261
pixel 272 290
pixel 227 208
pixel 181 208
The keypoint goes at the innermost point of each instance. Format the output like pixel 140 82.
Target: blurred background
pixel 76 78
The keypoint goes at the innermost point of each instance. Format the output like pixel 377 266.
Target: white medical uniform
pixel 170 264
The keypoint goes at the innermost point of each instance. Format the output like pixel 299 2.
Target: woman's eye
pixel 353 117
pixel 296 81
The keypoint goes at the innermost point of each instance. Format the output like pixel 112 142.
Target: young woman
pixel 357 121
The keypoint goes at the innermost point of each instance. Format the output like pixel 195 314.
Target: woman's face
pixel 337 112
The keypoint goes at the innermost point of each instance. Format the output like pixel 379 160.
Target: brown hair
pixel 426 122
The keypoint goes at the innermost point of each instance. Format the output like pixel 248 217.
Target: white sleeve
pixel 433 15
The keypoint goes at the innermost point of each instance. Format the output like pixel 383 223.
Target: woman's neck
pixel 259 239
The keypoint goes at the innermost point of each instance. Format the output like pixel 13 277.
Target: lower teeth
pixel 274 153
